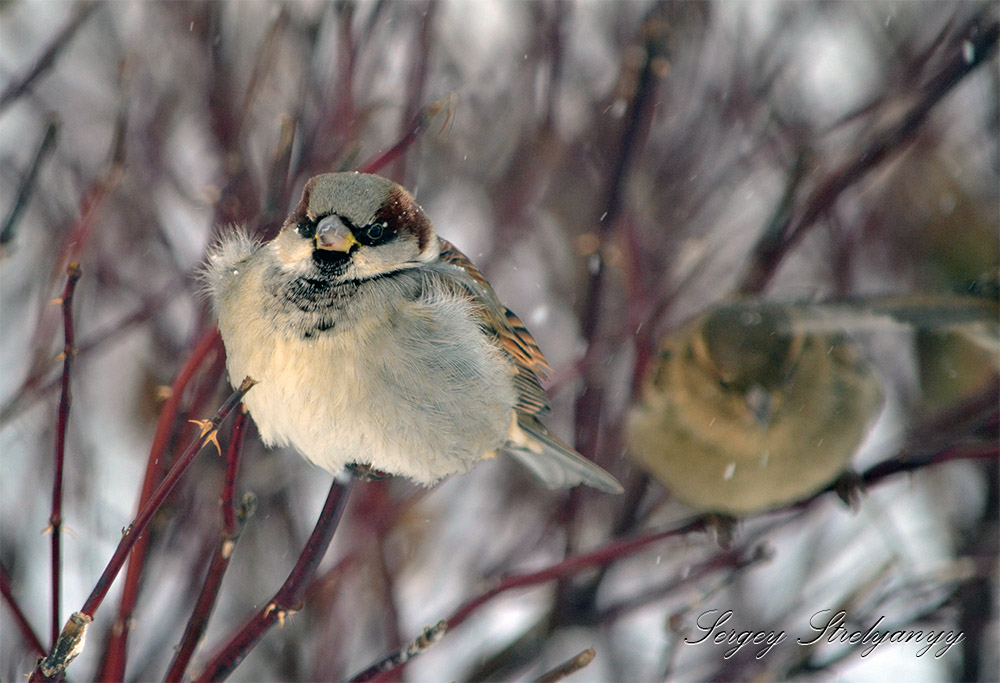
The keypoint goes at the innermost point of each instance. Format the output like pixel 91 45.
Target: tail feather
pixel 554 462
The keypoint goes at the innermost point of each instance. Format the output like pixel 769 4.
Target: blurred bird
pixel 754 405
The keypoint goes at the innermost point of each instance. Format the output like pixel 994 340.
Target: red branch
pixel 23 626
pixel 233 456
pixel 231 528
pixel 72 247
pixel 113 667
pixel 778 240
pixel 589 402
pixel 33 387
pixel 617 550
pixel 735 561
pixel 134 532
pixel 65 400
pixel 417 81
pixel 571 565
pixel 417 126
pixel 289 597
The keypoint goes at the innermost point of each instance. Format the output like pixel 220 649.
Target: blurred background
pixel 615 168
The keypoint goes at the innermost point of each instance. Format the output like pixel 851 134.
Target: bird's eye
pixel 306 230
pixel 372 234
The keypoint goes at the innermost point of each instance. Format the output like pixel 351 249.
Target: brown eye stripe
pixel 401 209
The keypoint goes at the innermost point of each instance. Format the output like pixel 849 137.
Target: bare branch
pixel 424 641
pixel 232 525
pixel 288 599
pixel 71 634
pixel 19 86
pixel 28 182
pixel 65 400
pixel 416 127
pixel 569 667
pixel 28 633
pixel 113 666
pixel 975 49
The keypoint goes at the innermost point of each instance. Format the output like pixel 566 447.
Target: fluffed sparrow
pixel 376 343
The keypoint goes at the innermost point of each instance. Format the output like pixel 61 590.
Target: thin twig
pixel 590 404
pixel 590 401
pixel 423 642
pixel 73 273
pixel 203 608
pixel 59 42
pixel 288 599
pixel 276 198
pixel 232 526
pixel 74 244
pixel 71 249
pixel 113 661
pixel 417 80
pixel 263 65
pixel 808 664
pixel 555 45
pixel 27 632
pixel 768 253
pixel 613 551
pixel 334 129
pixel 27 186
pixel 569 667
pixel 239 187
pixel 233 457
pixel 734 561
pixel 55 664
pixel 617 550
pixel 388 592
pixel 417 126
pixel 33 387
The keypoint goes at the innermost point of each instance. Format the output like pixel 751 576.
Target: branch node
pixel 210 433
pixel 422 643
pixel 248 506
pixel 68 646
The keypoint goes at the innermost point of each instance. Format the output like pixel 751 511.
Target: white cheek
pixel 293 254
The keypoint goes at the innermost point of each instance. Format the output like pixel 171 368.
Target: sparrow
pixel 756 404
pixel 378 345
pixel 743 411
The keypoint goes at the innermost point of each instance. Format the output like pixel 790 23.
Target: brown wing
pixel 511 334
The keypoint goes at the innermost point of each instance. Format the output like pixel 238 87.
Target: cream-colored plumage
pixel 374 342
